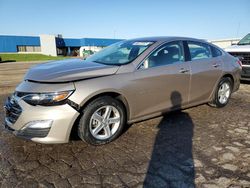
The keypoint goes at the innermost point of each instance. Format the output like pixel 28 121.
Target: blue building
pixel 52 45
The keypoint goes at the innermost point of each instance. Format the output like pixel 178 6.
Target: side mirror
pixel 144 65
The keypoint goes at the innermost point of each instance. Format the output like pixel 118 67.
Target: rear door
pixel 206 70
pixel 161 81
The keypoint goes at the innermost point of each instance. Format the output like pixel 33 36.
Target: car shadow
pixel 171 163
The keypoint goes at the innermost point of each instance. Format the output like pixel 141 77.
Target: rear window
pixel 199 50
pixel 215 51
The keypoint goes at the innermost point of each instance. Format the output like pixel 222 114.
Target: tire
pixel 218 101
pixel 104 113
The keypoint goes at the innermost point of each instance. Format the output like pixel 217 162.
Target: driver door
pixel 162 81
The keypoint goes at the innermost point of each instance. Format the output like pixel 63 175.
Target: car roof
pixel 167 38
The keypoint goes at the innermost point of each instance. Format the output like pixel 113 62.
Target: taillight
pixel 239 62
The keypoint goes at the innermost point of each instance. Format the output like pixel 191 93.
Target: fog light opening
pixel 39 124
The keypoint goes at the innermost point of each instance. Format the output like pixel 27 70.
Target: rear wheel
pixel 102 121
pixel 222 93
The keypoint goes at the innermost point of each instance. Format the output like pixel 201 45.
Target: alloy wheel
pixel 104 122
pixel 224 93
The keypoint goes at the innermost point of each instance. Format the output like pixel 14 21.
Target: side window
pixel 167 54
pixel 199 50
pixel 215 51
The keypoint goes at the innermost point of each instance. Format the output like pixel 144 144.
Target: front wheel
pixel 222 93
pixel 102 121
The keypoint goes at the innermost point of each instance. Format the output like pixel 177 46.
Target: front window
pixel 167 54
pixel 245 40
pixel 120 53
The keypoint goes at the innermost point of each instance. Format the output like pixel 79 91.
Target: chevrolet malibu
pixel 127 82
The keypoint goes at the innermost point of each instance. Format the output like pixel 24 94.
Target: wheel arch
pixel 113 94
pixel 227 75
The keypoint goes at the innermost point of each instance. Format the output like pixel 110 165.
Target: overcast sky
pixel 207 19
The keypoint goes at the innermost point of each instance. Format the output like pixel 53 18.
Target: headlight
pixel 46 99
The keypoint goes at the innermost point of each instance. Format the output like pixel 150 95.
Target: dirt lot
pixel 202 147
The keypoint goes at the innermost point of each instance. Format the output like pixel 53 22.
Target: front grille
pixel 12 109
pixel 243 56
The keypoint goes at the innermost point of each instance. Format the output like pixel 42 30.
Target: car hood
pixel 238 48
pixel 68 70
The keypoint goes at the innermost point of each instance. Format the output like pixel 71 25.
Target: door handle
pixel 182 70
pixel 216 65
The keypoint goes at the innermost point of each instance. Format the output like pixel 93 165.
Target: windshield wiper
pixel 99 62
pixel 113 64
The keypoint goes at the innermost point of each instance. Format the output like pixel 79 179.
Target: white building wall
pixel 48 45
pixel 224 43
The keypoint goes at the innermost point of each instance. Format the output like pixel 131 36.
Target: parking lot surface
pixel 202 147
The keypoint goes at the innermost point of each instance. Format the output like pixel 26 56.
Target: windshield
pixel 120 53
pixel 245 40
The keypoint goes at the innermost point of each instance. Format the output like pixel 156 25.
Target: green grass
pixel 28 57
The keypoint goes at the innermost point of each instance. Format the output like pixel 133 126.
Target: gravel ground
pixel 201 146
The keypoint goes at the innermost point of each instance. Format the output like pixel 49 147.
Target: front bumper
pixel 61 116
